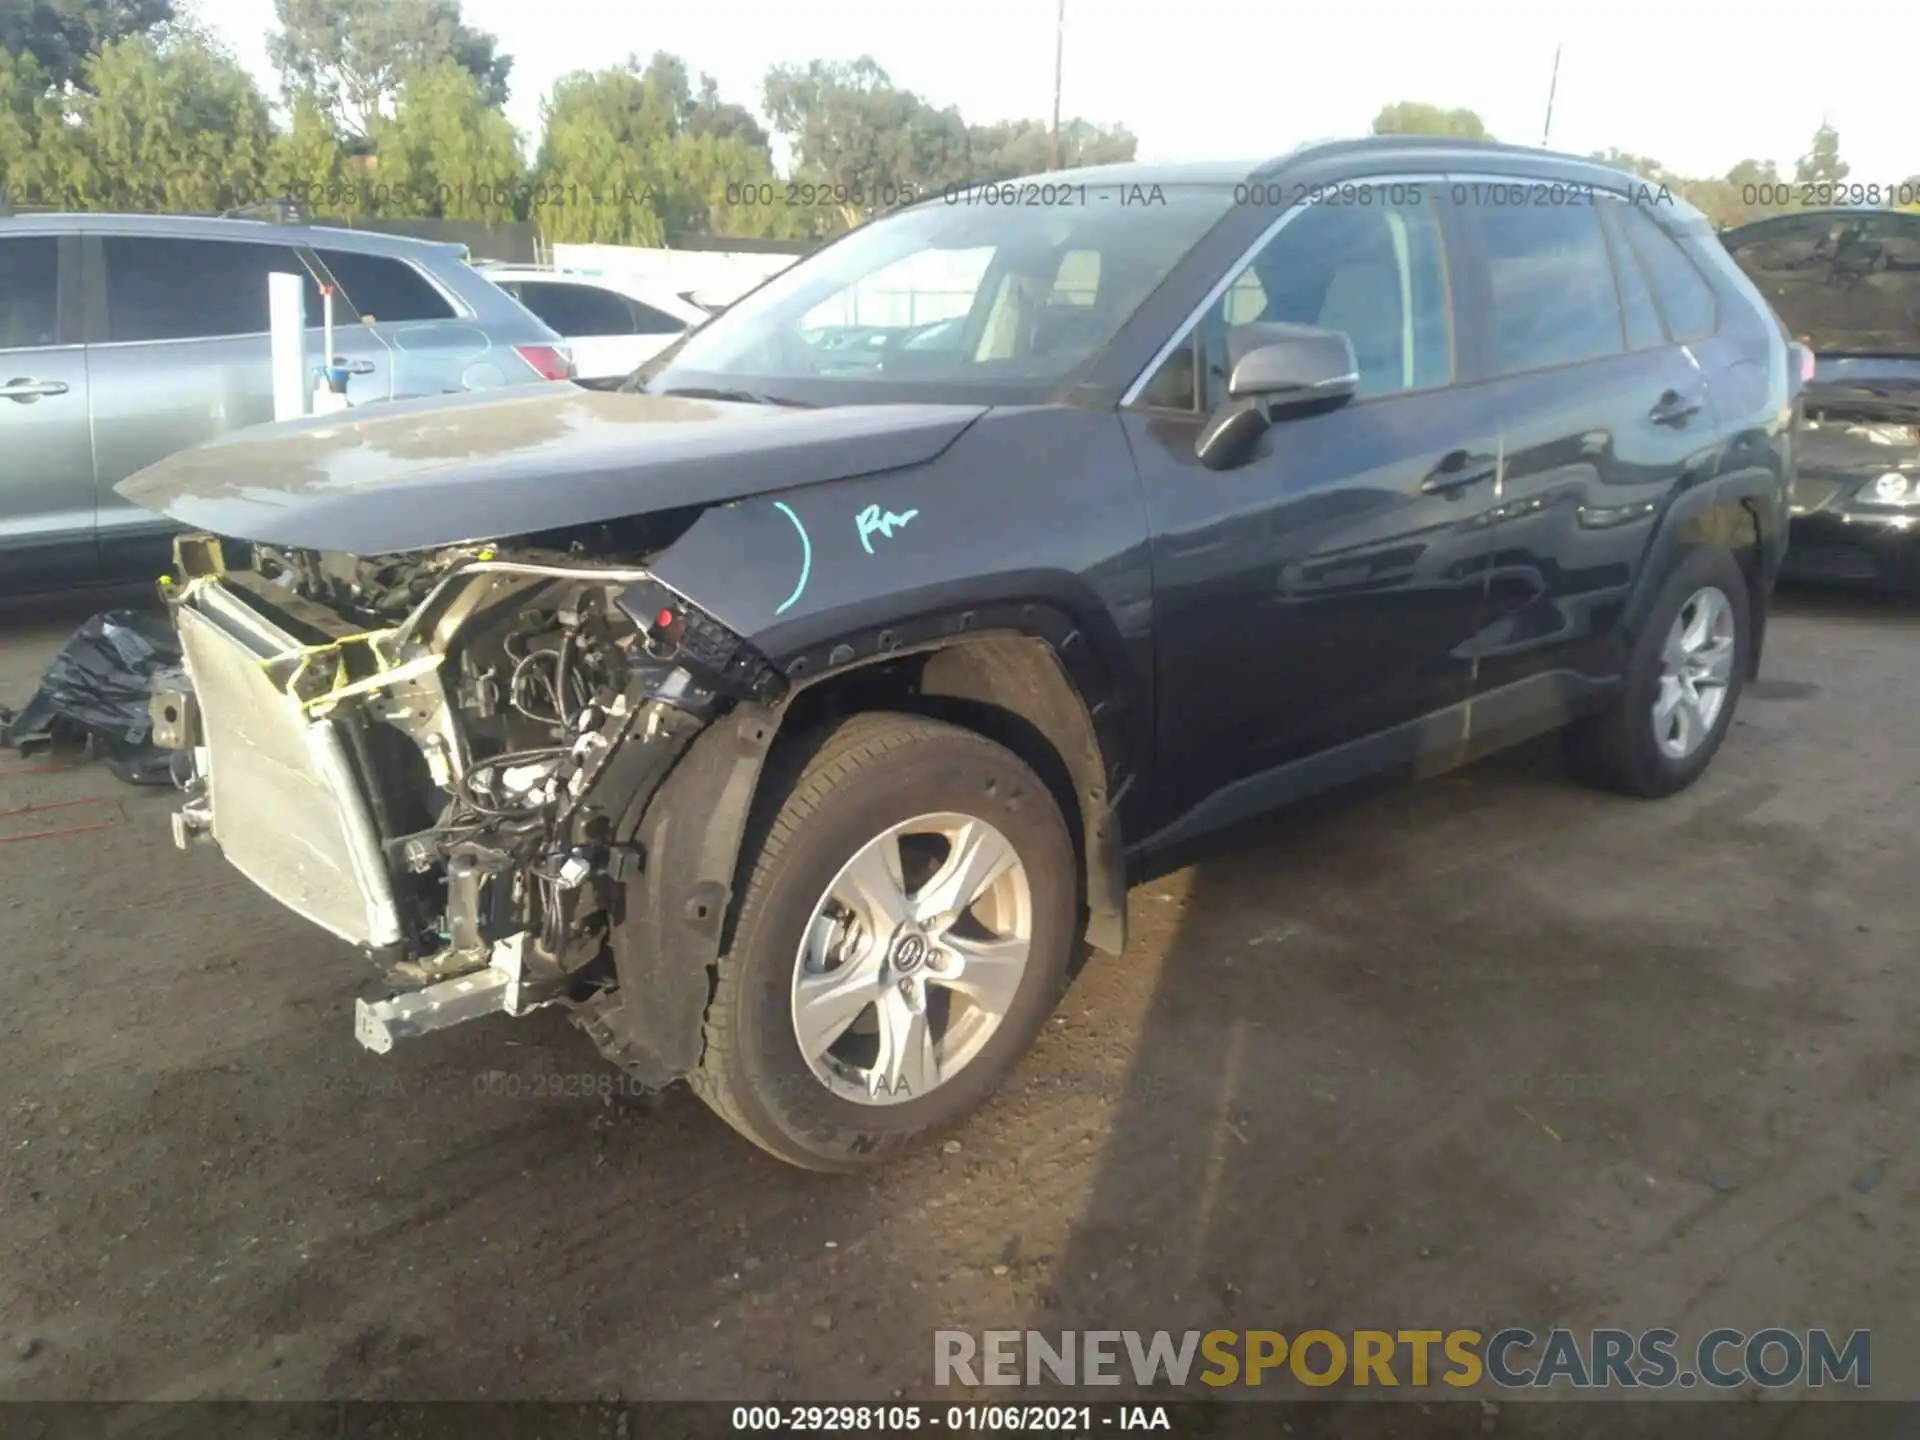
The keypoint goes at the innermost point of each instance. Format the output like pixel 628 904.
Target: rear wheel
pixel 1682 683
pixel 904 935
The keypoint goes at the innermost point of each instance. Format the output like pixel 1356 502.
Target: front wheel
pixel 1683 679
pixel 904 936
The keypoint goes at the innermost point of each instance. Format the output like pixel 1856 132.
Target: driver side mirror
pixel 1277 370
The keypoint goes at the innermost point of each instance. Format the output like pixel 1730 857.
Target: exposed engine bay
pixel 442 757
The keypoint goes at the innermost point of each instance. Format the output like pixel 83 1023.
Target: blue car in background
pixel 124 338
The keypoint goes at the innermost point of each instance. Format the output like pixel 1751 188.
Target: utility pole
pixel 1059 50
pixel 1552 86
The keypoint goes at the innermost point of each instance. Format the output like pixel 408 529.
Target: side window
pixel 166 288
pixel 382 288
pixel 1554 299
pixel 577 309
pixel 1686 299
pixel 1644 329
pixel 649 321
pixel 29 291
pixel 1377 272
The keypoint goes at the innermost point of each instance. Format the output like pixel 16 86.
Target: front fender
pixel 1032 523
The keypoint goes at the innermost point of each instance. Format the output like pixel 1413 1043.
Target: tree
pixel 178 127
pixel 309 164
pixel 857 133
pixel 353 56
pixel 1822 164
pixel 635 156
pixel 602 157
pixel 41 162
pixel 447 153
pixel 707 114
pixel 1412 117
pixel 1753 172
pixel 61 35
pixel 1644 166
pixel 1008 149
pixel 721 185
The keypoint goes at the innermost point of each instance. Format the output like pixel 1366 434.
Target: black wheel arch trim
pixel 1741 514
pixel 691 829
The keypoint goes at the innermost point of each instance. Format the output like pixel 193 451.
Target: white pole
pixel 330 393
pixel 287 321
pixel 326 302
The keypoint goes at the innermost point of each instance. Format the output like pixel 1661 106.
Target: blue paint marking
pixel 806 557
pixel 872 519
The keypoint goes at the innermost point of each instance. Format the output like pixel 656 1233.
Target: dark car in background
pixel 791 724
pixel 126 337
pixel 1847 285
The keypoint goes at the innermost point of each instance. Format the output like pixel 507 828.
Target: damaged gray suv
pixel 791 715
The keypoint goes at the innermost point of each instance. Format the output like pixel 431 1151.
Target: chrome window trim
pixel 1180 335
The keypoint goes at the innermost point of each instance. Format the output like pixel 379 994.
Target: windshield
pixel 1843 283
pixel 976 290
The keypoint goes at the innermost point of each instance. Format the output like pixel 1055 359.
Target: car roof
pixel 209 227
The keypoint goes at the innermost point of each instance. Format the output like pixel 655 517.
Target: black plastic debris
pixel 96 692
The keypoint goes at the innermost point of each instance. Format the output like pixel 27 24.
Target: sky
pixel 1697 86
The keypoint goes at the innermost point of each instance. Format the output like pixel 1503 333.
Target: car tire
pixel 1637 749
pixel 871 777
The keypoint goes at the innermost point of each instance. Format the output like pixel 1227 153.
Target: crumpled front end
pixel 442 758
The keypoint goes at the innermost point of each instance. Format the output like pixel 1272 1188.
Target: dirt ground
pixel 1490 1050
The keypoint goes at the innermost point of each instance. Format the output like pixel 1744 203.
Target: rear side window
pixel 384 289
pixel 1685 297
pixel 649 321
pixel 1554 299
pixel 166 288
pixel 29 291
pixel 1644 328
pixel 577 309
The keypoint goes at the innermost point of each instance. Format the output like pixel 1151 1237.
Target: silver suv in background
pixel 124 338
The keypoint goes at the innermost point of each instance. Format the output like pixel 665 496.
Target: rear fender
pixel 1742 515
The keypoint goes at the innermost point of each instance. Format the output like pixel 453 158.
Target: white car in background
pixel 612 323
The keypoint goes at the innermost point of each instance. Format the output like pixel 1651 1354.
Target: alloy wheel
pixel 1696 669
pixel 912 958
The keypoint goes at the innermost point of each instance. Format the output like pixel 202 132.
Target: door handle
pixel 1673 408
pixel 24 389
pixel 1456 471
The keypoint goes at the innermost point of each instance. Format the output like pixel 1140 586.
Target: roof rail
pixel 281 211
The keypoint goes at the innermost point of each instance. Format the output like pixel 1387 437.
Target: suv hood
pixel 450 470
pixel 1845 282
